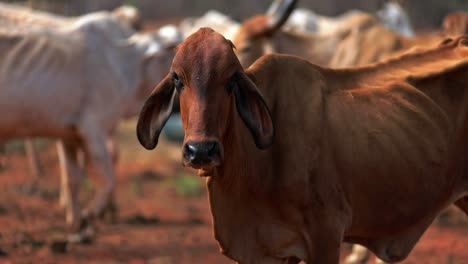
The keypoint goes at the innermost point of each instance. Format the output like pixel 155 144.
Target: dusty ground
pixel 164 215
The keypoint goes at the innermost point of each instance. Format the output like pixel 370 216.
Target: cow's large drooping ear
pixel 155 112
pixel 253 110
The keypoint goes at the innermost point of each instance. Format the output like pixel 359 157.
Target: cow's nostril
pixel 191 149
pixel 212 149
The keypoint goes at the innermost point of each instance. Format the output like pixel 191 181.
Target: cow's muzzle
pixel 202 155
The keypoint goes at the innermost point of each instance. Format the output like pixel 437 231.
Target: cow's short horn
pixel 279 13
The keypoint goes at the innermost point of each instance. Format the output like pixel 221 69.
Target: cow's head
pixel 159 51
pixel 213 88
pixel 130 15
pixel 253 39
pixel 142 62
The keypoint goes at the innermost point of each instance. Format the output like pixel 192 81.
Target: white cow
pixel 75 83
pixel 392 15
pixel 23 20
pixel 16 18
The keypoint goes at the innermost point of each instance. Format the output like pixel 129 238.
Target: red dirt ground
pixel 147 186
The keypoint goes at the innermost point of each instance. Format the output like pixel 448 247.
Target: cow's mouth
pixel 206 172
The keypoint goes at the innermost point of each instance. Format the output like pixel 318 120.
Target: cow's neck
pixel 238 196
pixel 242 167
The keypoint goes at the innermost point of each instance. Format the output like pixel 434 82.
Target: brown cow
pixel 260 35
pixel 300 158
pixel 456 23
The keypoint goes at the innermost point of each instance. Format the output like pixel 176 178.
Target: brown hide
pixel 368 155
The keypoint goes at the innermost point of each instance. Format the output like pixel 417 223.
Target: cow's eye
pixel 177 82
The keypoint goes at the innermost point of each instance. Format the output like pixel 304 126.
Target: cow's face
pixel 211 85
pixel 149 68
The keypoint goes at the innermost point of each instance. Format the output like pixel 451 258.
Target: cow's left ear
pixel 155 113
pixel 253 110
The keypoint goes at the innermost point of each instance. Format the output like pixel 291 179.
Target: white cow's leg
pixel 80 161
pixel 359 255
pixel 113 149
pixel 100 159
pixel 33 159
pixel 64 171
pixel 379 261
pixel 70 173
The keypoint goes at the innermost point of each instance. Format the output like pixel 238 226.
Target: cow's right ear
pixel 156 112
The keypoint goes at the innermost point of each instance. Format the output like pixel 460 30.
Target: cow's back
pixel 41 81
pixel 26 19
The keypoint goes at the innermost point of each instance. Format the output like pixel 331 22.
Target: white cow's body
pixel 75 83
pixel 17 19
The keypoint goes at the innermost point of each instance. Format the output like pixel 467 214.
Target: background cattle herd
pixel 72 87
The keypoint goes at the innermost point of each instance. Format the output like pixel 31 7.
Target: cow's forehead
pixel 205 55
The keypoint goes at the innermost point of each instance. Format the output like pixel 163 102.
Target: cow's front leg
pixel 33 159
pixel 325 235
pixel 65 170
pixel 112 148
pixel 70 177
pixel 292 260
pixel 326 250
pixel 101 161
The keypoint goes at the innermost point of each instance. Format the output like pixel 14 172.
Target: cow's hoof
pixel 59 247
pixel 85 233
pixel 84 236
pixel 109 214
